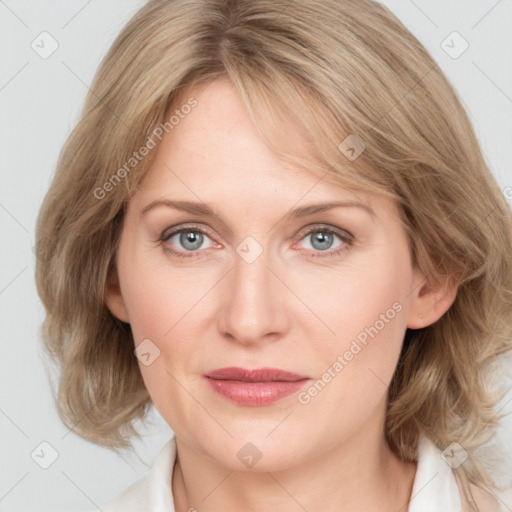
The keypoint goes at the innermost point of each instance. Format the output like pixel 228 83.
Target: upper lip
pixel 254 375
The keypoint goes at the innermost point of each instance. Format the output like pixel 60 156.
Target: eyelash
pixel 347 239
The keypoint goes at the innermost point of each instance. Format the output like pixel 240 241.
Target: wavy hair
pixel 338 68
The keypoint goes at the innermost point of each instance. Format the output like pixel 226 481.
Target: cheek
pixel 168 305
pixel 369 290
pixel 364 310
pixel 158 312
pixel 157 295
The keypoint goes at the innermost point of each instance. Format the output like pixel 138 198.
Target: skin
pixel 287 309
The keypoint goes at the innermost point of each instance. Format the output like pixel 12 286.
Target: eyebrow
pixel 208 209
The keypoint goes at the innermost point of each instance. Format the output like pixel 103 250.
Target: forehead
pixel 216 154
pixel 220 129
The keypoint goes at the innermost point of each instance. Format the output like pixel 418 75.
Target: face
pixel 260 283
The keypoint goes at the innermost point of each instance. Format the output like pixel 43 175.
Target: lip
pixel 254 387
pixel 255 375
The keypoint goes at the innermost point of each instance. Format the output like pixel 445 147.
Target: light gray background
pixel 39 104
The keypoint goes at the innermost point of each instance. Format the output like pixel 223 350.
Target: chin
pixel 256 453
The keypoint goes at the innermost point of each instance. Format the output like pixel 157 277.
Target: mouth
pixel 254 387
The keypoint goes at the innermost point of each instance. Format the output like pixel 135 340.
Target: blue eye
pixel 322 238
pixel 191 239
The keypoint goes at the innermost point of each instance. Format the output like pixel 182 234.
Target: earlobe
pixel 432 297
pixel 114 298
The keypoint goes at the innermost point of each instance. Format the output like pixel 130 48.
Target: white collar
pixel 434 487
pixel 152 492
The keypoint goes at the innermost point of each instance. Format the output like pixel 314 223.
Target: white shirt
pixel 434 489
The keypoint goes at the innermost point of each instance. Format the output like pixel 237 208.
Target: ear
pixel 431 297
pixel 114 297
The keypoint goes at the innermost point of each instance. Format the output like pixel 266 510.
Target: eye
pixel 188 239
pixel 321 239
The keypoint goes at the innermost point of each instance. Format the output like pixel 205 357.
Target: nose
pixel 254 306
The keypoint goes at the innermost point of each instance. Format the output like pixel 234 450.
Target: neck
pixel 360 473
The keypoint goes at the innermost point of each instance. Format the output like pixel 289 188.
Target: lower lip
pixel 255 393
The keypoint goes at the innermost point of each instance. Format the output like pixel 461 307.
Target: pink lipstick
pixel 254 387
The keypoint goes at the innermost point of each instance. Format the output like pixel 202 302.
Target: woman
pixel 275 224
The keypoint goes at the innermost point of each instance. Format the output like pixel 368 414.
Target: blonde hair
pixel 337 68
